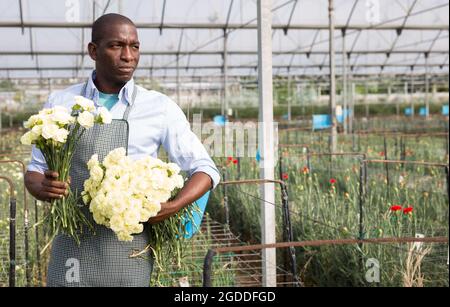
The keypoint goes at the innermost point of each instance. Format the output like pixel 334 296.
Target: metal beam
pixel 106 7
pixel 161 24
pixel 21 17
pixel 232 52
pixel 286 29
pixel 399 31
pixel 253 67
pixel 209 26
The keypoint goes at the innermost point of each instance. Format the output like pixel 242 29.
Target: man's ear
pixel 92 48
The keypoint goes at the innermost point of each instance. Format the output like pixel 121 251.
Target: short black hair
pixel 102 23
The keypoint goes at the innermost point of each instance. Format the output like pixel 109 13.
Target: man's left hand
pixel 168 210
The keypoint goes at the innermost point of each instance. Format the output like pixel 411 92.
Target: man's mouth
pixel 126 69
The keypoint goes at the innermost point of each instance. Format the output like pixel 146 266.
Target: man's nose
pixel 126 54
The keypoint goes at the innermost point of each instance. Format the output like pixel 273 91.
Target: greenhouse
pixel 224 143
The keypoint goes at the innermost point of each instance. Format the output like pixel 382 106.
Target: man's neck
pixel 106 87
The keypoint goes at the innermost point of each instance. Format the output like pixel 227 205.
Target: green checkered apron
pixel 101 260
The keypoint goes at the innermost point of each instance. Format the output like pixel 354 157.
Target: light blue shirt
pixel 155 120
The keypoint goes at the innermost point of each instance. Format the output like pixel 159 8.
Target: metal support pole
pixel 333 138
pixel 225 74
pixel 266 140
pixel 362 197
pixel 427 85
pixel 345 80
pixel 38 253
pixel 289 97
pixel 412 93
pixel 178 80
pixel 225 199
pixel 386 158
pixel 207 269
pixel 12 232
pixel 289 235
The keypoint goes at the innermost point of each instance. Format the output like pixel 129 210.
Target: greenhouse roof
pixel 48 38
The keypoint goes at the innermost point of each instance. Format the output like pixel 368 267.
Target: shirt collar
pixel 126 92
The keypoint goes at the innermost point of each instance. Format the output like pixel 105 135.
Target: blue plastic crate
pixel 345 115
pixel 409 111
pixel 445 110
pixel 424 111
pixel 220 120
pixel 321 121
pixel 193 225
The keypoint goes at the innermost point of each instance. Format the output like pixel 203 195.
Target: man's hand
pixel 46 187
pixel 194 188
pixel 168 210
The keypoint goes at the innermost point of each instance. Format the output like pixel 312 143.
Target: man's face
pixel 117 54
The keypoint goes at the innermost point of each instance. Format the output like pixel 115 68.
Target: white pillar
pixel 178 81
pixel 266 139
pixel 412 95
pixel 427 85
pixel 289 97
pixel 225 74
pixel 345 80
pixel 333 139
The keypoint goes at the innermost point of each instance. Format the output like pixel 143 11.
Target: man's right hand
pixel 46 187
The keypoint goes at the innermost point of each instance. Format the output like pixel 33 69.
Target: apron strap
pixel 129 106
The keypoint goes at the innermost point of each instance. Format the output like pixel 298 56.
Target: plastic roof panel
pixel 203 47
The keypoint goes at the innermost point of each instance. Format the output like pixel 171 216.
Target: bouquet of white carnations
pixel 122 193
pixel 56 132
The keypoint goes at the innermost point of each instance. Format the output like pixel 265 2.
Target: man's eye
pixel 136 47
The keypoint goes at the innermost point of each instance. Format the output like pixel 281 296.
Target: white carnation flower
pixel 28 138
pixel 83 104
pixel 61 135
pixel 104 116
pixel 61 116
pixel 31 122
pixel 86 120
pixel 50 131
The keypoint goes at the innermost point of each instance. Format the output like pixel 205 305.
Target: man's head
pixel 114 48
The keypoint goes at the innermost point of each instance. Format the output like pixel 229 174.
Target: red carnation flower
pixel 408 210
pixel 333 181
pixel 235 161
pixel 396 208
pixel 285 176
pixel 230 159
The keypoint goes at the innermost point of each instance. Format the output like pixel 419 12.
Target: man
pixel 143 121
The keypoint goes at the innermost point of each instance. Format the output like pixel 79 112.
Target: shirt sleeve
pixel 37 163
pixel 184 147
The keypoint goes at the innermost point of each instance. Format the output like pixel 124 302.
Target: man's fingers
pixel 55 184
pixel 51 175
pixel 50 196
pixel 55 191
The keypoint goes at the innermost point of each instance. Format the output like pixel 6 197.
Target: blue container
pixel 193 225
pixel 424 112
pixel 345 114
pixel 321 121
pixel 219 120
pixel 409 111
pixel 445 110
